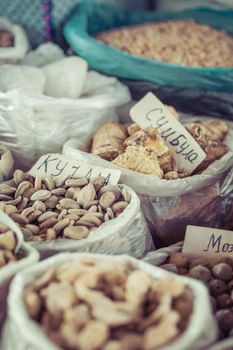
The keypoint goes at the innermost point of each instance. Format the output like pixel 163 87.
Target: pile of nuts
pixel 90 304
pixel 50 208
pixel 7 246
pixel 181 42
pixel 217 276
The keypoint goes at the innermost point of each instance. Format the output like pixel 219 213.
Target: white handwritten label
pixel 150 111
pixel 59 165
pixel 208 241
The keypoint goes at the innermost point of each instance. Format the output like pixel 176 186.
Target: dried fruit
pixel 95 304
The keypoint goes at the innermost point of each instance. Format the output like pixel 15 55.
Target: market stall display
pixel 106 296
pixel 135 178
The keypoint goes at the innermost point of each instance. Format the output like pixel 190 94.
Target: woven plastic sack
pixel 22 333
pixel 202 199
pixel 91 18
pixel 126 234
pixel 21 44
pixel 32 125
pixel 7 272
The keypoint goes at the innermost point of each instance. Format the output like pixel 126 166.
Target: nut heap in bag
pixel 90 304
pixel 182 42
pixel 8 244
pixel 145 151
pixel 50 208
pixel 217 276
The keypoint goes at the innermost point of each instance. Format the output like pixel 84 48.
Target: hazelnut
pixel 227 260
pixel 225 319
pixel 217 287
pixel 200 272
pixel 222 271
pixel 224 301
pixel 198 261
pixel 179 259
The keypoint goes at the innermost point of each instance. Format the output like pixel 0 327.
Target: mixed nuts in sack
pixel 217 276
pixel 90 303
pixel 182 42
pixel 145 151
pixel 50 208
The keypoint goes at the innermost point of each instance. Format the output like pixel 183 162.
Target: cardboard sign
pixel 58 165
pixel 150 111
pixel 208 241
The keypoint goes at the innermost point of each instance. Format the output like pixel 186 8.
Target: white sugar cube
pixel 65 78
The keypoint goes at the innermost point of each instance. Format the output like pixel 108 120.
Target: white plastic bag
pixel 169 205
pixel 22 333
pixel 126 234
pixel 7 272
pixel 32 125
pixel 21 44
pixel 43 54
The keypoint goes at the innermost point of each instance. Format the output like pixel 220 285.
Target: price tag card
pixel 59 165
pixel 207 241
pixel 150 111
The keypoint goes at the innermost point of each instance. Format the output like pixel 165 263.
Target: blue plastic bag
pixel 90 18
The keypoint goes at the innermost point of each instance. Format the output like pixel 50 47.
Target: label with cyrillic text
pixel 58 165
pixel 150 111
pixel 208 241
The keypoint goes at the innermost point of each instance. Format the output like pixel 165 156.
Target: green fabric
pixel 90 18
